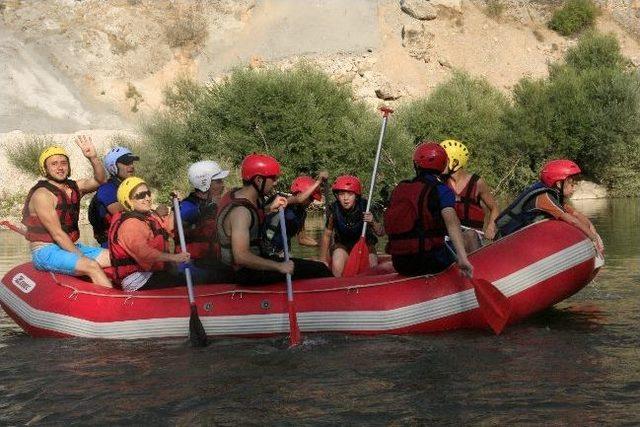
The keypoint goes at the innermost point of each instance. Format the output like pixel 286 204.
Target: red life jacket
pixel 413 221
pixel 228 202
pixel 123 264
pixel 202 237
pixel 67 209
pixel 468 207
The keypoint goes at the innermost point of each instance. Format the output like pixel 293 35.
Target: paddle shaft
pixel 13 227
pixel 383 128
pixel 294 330
pixel 285 245
pixel 183 246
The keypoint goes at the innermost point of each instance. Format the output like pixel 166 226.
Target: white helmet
pixel 202 173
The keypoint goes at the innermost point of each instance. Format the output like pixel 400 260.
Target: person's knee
pixel 88 266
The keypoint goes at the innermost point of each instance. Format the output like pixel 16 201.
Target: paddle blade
pixel 494 305
pixel 358 260
pixel 295 337
pixel 197 334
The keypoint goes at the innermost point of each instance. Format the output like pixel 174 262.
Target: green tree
pixel 466 109
pixel 300 116
pixel 587 110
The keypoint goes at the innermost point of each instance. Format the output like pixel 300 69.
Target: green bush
pixel 466 109
pixel 587 110
pixel 573 17
pixel 300 116
pixel 24 156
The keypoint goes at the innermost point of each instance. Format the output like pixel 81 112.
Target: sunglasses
pixel 141 195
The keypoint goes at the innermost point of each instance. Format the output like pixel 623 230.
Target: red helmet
pixel 302 183
pixel 347 183
pixel 430 155
pixel 558 170
pixel 259 165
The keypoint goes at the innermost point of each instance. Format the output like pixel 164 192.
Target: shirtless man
pixel 51 212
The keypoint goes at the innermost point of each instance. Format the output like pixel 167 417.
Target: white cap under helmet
pixel 202 173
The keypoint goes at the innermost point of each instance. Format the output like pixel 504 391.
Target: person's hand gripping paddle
pixel 358 260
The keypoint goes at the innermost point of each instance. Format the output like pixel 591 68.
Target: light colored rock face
pixel 417 40
pixel 589 190
pixel 419 9
pixel 38 97
pixel 455 5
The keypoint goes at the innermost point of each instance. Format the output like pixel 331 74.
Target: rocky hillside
pixel 77 65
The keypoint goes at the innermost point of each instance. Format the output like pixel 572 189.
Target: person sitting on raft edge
pixel 420 214
pixel 138 242
pixel 51 213
pixel 104 204
pixel 240 221
pixel 345 219
pixel 473 194
pixel 304 191
pixel 547 199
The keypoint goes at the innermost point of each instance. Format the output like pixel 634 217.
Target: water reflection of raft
pixel 535 268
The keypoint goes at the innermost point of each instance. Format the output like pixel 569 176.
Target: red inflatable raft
pixel 535 268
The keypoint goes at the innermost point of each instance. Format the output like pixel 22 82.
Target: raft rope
pixel 349 288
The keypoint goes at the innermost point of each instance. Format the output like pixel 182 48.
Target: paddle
pixel 294 331
pixel 358 260
pixel 197 334
pixel 13 227
pixel 493 304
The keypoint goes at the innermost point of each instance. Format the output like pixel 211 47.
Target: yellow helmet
pixel 48 152
pixel 125 189
pixel 456 152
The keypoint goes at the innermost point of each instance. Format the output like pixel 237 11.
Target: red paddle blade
pixel 358 260
pixel 294 331
pixel 494 305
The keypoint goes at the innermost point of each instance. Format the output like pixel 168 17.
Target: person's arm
pixel 452 223
pixel 378 228
pixel 587 228
pixel 325 241
pixel 114 208
pixel 277 203
pixel 301 197
pixel 44 206
pixel 134 236
pixel 484 192
pixel 89 185
pixel 240 222
pixel 544 203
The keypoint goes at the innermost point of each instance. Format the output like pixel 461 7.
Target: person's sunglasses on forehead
pixel 141 195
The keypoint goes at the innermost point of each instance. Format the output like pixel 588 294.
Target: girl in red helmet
pixel 344 224
pixel 304 190
pixel 421 214
pixel 547 199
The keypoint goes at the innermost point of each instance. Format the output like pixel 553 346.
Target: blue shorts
pixel 53 258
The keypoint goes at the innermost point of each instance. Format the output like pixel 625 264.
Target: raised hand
pixel 87 147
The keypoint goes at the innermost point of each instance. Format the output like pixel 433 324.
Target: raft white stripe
pixel 310 321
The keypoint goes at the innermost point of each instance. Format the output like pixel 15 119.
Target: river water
pixel 575 364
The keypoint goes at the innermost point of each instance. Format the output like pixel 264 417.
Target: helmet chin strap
pixel 259 189
pixel 561 198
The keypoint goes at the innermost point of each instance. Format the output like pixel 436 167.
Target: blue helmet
pixel 112 157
